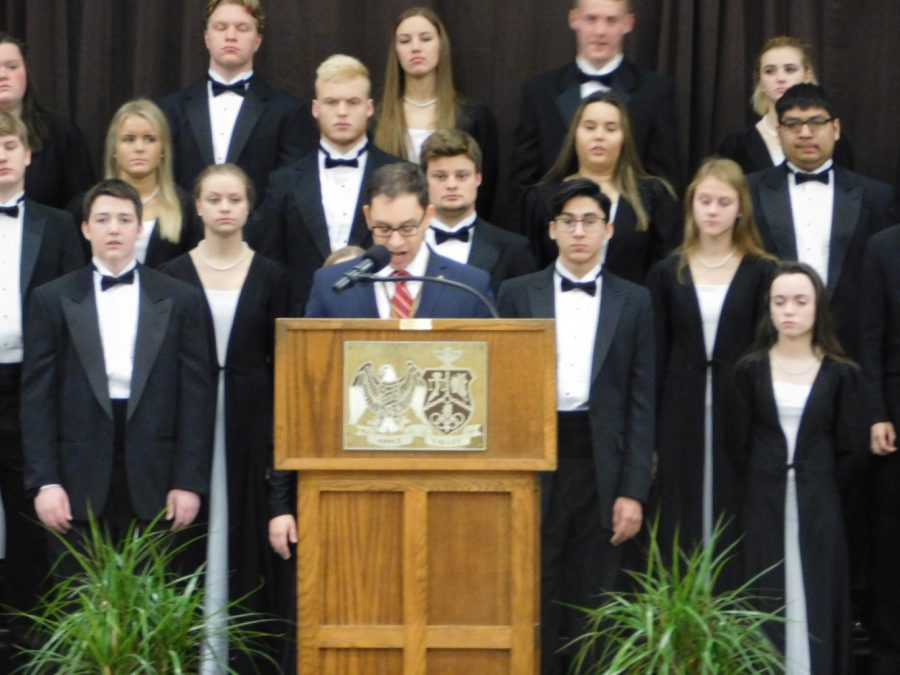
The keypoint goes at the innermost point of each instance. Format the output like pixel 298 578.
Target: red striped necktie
pixel 401 301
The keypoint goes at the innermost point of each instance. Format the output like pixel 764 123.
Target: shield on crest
pixel 448 402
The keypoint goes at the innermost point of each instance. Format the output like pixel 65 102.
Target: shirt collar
pixel 104 270
pixel 585 67
pixel 438 224
pixel 336 154
pixel 18 199
pixel 237 78
pixel 417 265
pixel 592 274
pixel 825 166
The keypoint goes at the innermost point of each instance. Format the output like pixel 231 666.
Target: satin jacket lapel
pixel 153 322
pixel 431 293
pixel 625 81
pixel 197 108
pixel 541 298
pixel 570 94
pixel 776 206
pixel 483 254
pixel 359 231
pixel 32 236
pixel 845 218
pixel 251 110
pixel 307 194
pixel 80 312
pixel 610 313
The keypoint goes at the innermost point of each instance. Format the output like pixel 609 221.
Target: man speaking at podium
pixel 398 212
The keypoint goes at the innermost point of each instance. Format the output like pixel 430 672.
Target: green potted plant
pixel 675 622
pixel 126 611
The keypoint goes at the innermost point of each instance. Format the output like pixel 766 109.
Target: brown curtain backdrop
pixel 89 56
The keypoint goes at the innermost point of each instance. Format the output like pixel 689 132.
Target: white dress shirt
pixel 812 206
pixel 117 310
pixel 452 248
pixel 588 88
pixel 577 314
pixel 10 284
pixel 341 186
pixel 384 292
pixel 223 113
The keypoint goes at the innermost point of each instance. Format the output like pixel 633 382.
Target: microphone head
pixel 380 257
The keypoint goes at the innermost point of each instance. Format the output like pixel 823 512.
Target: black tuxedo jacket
pixel 436 301
pixel 500 253
pixel 862 207
pixel 50 248
pixel 272 129
pixel 622 399
pixel 67 422
pixel 292 228
pixel 549 102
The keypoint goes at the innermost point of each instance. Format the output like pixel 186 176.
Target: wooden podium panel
pixel 418 573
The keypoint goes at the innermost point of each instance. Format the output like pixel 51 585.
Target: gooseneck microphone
pixel 376 258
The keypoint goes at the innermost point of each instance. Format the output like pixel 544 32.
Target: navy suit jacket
pixel 436 301
pixel 862 207
pixel 622 401
pixel 272 129
pixel 67 418
pixel 291 226
pixel 549 102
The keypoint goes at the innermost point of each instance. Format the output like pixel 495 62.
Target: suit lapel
pixel 610 313
pixel 569 94
pixel 845 218
pixel 307 194
pixel 251 110
pixel 483 254
pixel 80 312
pixel 776 206
pixel 541 299
pixel 625 81
pixel 431 293
pixel 32 235
pixel 359 231
pixel 197 107
pixel 153 321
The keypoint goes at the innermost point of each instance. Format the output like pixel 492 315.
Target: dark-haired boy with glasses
pixel 592 506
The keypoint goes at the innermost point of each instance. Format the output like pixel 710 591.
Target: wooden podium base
pixel 418 573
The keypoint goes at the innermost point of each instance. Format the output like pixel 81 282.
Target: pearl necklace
pixel 787 371
pixel 222 268
pixel 149 198
pixel 717 265
pixel 423 104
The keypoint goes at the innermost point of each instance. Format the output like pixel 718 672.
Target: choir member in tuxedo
pixel 881 365
pixel 420 97
pixel 593 504
pixel 708 299
pixel 245 293
pixel 37 244
pixel 398 214
pixel 118 389
pixel 233 115
pixel 139 152
pixel 60 163
pixel 314 206
pixel 600 146
pixel 815 211
pixel 452 162
pixel 549 100
pixel 783 62
pixel 797 431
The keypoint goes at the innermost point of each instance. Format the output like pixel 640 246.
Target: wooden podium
pixel 420 560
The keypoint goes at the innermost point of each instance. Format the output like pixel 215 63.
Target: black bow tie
pixel 331 163
pixel 11 211
pixel 823 177
pixel 589 287
pixel 606 79
pixel 107 282
pixel 239 87
pixel 440 236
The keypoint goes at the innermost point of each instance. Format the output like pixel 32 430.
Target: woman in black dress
pixel 420 97
pixel 245 293
pixel 645 211
pixel 708 299
pixel 139 151
pixel 60 162
pixel 797 431
pixel 783 62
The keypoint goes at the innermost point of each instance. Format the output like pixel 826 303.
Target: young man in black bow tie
pixel 118 385
pixel 593 504
pixel 451 160
pixel 550 99
pixel 37 245
pixel 314 206
pixel 233 115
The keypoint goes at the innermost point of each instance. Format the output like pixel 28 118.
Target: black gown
pixel 829 448
pixel 631 252
pixel 478 120
pixel 681 400
pixel 748 149
pixel 62 168
pixel 249 387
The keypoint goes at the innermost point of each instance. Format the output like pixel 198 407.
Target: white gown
pixel 791 400
pixel 222 305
